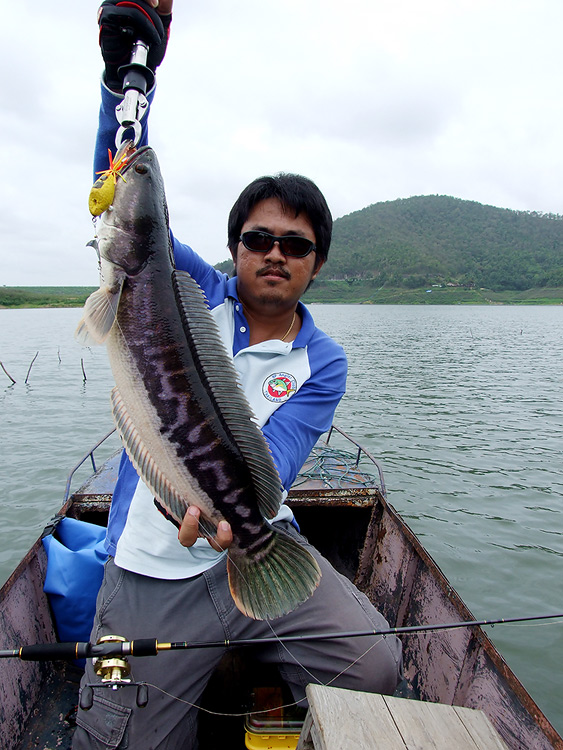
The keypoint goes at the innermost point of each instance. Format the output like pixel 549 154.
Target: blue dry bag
pixel 75 568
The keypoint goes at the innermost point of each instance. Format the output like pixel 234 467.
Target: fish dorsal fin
pixel 99 316
pixel 148 469
pixel 225 389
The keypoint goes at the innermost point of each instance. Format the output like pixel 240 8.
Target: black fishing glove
pixel 122 23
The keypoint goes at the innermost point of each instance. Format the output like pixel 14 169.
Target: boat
pixel 340 502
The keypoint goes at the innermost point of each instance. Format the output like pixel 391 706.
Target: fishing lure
pixel 103 190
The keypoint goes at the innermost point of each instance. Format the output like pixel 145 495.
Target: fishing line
pixel 529 624
pixel 373 645
pixel 267 622
pixel 414 630
pixel 221 713
pixel 265 710
pixel 279 639
pixel 292 656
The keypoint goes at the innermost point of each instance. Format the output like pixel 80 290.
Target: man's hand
pixel 189 531
pixel 122 23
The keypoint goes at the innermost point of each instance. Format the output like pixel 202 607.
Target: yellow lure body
pixel 101 194
pixel 102 191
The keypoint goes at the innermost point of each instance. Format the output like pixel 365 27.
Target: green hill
pixel 397 250
pixel 437 239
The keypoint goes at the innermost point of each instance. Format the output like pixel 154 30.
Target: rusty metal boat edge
pixel 367 540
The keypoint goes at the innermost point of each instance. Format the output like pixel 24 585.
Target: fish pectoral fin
pixel 100 312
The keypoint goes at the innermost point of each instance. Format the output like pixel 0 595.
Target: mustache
pixel 274 269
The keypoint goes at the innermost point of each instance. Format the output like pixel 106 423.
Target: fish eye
pixel 141 168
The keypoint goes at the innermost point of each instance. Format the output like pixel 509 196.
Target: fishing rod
pixel 117 646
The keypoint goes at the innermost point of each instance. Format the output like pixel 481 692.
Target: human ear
pixel 318 265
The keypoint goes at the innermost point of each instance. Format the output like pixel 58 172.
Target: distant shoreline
pixel 24 297
pixel 327 292
pixel 364 292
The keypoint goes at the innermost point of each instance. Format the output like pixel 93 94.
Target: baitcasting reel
pixel 114 673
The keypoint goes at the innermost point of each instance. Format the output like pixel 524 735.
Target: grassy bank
pixel 44 296
pixel 329 291
pixel 365 292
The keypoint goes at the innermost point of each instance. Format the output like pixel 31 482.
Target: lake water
pixel 462 405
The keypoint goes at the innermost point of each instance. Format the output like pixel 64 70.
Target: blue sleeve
pixel 295 427
pixel 108 126
pixel 212 281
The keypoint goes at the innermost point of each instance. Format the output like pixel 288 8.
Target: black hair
pixel 294 192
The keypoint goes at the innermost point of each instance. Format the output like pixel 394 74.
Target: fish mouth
pixel 135 157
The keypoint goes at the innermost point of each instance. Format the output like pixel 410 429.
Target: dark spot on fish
pixel 177 382
pixel 170 409
pixel 198 451
pixel 217 469
pixel 251 528
pixel 193 435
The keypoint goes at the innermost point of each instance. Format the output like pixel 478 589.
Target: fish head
pixel 135 227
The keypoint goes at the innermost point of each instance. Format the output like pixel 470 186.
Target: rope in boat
pixel 335 469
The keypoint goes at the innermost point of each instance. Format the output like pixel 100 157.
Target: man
pixel 173 585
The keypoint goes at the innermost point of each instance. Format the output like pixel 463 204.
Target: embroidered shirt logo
pixel 279 387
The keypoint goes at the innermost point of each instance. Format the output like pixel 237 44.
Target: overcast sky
pixel 373 100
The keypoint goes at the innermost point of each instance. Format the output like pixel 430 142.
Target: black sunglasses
pixel 290 244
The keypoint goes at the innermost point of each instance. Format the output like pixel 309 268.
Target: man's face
pixel 271 281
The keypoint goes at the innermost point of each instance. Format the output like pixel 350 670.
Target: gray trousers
pixel 202 609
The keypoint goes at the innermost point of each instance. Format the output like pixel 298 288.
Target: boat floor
pixel 58 699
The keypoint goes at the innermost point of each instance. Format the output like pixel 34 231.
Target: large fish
pixel 182 415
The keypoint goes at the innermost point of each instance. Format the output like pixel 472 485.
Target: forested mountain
pixel 436 239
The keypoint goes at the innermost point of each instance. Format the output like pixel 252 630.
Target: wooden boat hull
pixel 455 667
pixel 367 540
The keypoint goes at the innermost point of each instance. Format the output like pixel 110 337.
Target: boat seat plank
pixel 340 719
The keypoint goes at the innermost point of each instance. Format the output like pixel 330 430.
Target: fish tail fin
pixel 275 581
